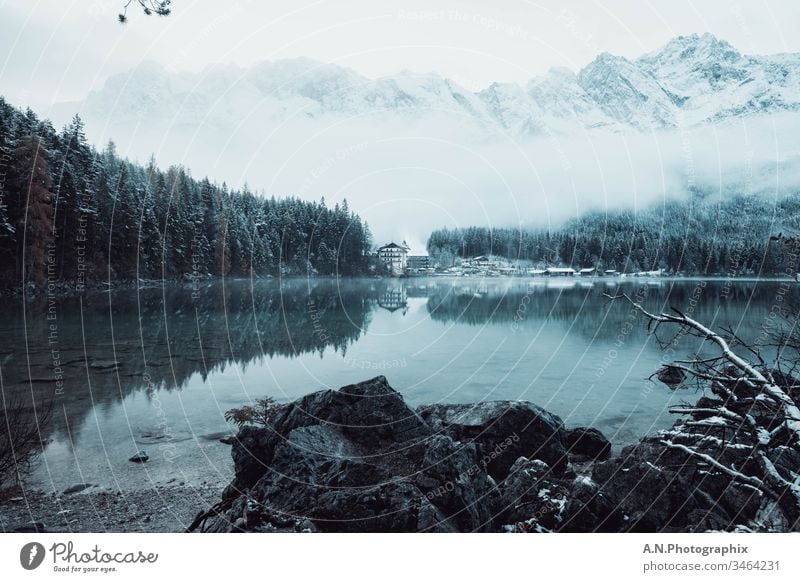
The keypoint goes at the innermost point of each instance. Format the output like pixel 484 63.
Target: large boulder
pixel 369 413
pixel 503 432
pixel 537 500
pixel 662 489
pixel 358 459
pixel 587 442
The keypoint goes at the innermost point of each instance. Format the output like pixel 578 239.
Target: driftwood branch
pixel 756 415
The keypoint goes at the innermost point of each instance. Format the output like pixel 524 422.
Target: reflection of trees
pixel 158 338
pixel 165 336
pixel 585 311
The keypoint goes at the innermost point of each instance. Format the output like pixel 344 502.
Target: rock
pixel 370 413
pixel 456 483
pixel 503 431
pixel 671 376
pixel 228 440
pixel 520 500
pixel 360 459
pixel 587 442
pixel 321 475
pixel 589 509
pixel 706 402
pixel 660 489
pixel 76 488
pixel 140 457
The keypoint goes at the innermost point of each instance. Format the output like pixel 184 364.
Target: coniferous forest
pixel 691 237
pixel 71 213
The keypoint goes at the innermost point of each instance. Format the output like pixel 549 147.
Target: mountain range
pixel 693 80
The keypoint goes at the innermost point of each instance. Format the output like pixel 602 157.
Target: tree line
pixel 693 236
pixel 69 212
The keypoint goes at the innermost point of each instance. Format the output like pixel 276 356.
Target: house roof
pixel 588 270
pixel 393 245
pixel 560 270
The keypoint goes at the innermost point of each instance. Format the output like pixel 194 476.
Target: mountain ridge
pixel 690 81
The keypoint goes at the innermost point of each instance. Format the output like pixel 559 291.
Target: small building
pixel 481 262
pixel 588 272
pixel 560 272
pixel 536 272
pixel 610 273
pixel 418 262
pixel 395 257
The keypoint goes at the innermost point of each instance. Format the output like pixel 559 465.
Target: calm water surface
pixel 156 368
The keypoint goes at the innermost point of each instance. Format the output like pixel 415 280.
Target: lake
pixel 156 368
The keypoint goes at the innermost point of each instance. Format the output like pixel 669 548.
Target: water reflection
pixel 394 298
pixel 123 354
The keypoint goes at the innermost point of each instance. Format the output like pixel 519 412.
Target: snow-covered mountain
pixel 412 152
pixel 693 80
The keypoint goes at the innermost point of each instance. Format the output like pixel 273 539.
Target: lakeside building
pixel 479 262
pixel 395 257
pixel 418 262
pixel 559 272
pixel 588 272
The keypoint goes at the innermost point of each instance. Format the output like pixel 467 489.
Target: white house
pixel 395 257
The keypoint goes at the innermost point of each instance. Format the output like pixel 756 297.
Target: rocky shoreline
pixel 360 460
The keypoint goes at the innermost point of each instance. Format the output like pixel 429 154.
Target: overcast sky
pixel 58 50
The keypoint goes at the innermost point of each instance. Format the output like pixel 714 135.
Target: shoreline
pixel 367 462
pixel 163 508
pixel 64 289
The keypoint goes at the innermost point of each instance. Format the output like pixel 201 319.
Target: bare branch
pixel 149 7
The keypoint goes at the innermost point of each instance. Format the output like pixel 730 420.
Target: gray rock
pixel 587 442
pixel 660 489
pixel 359 459
pixel 503 431
pixel 76 488
pixel 140 457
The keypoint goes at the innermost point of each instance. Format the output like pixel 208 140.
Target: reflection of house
pixel 395 257
pixel 588 272
pixel 418 262
pixel 560 272
pixel 393 299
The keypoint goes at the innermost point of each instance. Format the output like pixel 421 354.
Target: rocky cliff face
pixel 360 460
